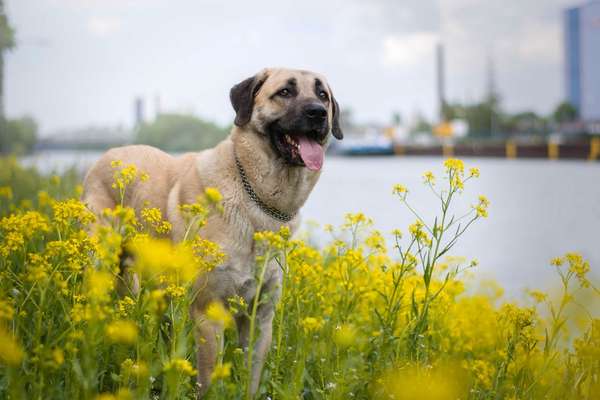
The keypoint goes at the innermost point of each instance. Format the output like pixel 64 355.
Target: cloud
pixel 408 50
pixel 104 26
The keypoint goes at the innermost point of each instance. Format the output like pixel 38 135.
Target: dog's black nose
pixel 315 111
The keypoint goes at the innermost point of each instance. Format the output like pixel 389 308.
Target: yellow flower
pixel 122 394
pixel 538 296
pixel 6 310
pixel 579 267
pixel 216 312
pixel 6 192
pixel 351 220
pixel 153 217
pixel 556 261
pixel 213 195
pixel 124 176
pixel 221 371
pixel 125 332
pixel 421 384
pixel 66 212
pixel 311 324
pixel 44 199
pixel 38 268
pixel 135 369
pixel 474 172
pixel 125 306
pixel 345 335
pixel 429 178
pixel 58 357
pixel 376 241
pixel 10 350
pixel 456 182
pixel 417 232
pixel 454 165
pixel 274 240
pixel 180 365
pixel 161 259
pixel 400 190
pixel 99 284
pixel 481 208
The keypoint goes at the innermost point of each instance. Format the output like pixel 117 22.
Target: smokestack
pixel 441 84
pixel 138 112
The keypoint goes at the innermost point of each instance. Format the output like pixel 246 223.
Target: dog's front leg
pixel 208 335
pixel 264 319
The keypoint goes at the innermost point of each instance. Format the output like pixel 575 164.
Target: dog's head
pixel 295 110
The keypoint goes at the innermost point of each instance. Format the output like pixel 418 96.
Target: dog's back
pixel 161 169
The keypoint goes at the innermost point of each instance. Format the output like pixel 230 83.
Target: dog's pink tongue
pixel 311 153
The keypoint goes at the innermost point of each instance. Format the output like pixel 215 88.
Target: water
pixel 539 208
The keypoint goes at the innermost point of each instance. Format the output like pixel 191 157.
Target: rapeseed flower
pixel 217 313
pixel 161 259
pixel 429 178
pixel 454 165
pixel 221 371
pixel 179 365
pixel 10 351
pixel 345 335
pixel 311 324
pixel 124 332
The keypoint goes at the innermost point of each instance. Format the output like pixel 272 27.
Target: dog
pixel 265 170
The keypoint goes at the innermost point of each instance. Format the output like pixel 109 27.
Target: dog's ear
pixel 242 98
pixel 336 130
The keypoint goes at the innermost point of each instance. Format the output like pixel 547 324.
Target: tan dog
pixel 265 171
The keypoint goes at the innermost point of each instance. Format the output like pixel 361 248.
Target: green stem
pixel 253 323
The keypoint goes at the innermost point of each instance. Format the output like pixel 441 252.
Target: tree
pixel 420 125
pixel 7 42
pixel 484 118
pixel 565 112
pixel 20 135
pixel 180 132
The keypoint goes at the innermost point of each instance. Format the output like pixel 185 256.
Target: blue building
pixel 582 59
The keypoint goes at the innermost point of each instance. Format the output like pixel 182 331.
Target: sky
pixel 83 62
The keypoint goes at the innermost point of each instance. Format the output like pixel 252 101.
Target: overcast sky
pixel 82 62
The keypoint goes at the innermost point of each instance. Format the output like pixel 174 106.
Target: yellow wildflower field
pixel 359 318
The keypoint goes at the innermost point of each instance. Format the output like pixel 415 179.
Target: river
pixel 539 208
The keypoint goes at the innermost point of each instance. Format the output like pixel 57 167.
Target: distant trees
pixel 7 42
pixel 420 125
pixel 180 132
pixel 19 136
pixel 565 112
pixel 486 119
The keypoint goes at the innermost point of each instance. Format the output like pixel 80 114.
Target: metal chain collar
pixel 270 211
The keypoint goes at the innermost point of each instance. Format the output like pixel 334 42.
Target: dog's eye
pixel 284 93
pixel 323 95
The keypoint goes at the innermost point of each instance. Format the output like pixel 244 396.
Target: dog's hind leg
pixel 208 337
pixel 261 345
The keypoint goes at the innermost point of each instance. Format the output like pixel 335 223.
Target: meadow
pixel 358 318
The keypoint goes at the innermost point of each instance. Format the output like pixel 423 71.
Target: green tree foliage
pixel 524 122
pixel 178 132
pixel 18 135
pixel 565 112
pixel 421 125
pixel 7 33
